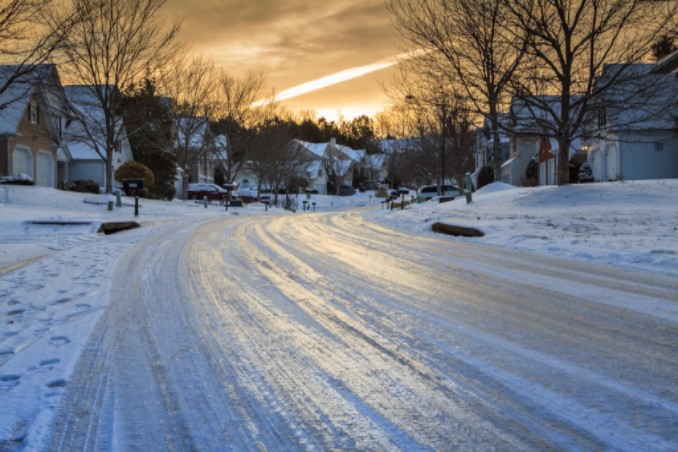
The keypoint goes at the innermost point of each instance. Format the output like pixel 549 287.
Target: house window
pixel 659 146
pixel 602 117
pixel 320 173
pixel 34 113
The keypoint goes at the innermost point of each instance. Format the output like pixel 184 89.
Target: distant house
pixel 86 138
pixel 193 146
pixel 32 122
pixel 547 159
pixel 329 162
pixel 530 125
pixel 485 141
pixel 637 124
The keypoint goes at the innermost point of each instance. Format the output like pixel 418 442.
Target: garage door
pixel 22 162
pixel 44 169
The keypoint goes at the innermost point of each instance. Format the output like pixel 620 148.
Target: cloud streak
pixel 333 79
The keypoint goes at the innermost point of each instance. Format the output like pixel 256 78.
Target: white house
pixel 337 158
pixel 85 138
pixel 637 126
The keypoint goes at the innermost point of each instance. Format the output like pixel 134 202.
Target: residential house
pixel 338 159
pixel 395 151
pixel 636 134
pixel 86 138
pixel 531 128
pixel 193 146
pixel 485 143
pixel 32 120
pixel 547 159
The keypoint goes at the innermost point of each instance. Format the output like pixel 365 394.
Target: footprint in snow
pixel 48 364
pixel 61 301
pixel 7 382
pixel 58 341
pixel 59 383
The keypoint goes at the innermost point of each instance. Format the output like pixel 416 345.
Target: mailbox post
pixel 403 192
pixel 229 188
pixel 133 187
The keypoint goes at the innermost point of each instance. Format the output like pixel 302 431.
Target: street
pixel 328 331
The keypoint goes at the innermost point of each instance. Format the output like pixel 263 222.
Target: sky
pixel 330 57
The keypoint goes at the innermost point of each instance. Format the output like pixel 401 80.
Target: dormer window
pixel 34 113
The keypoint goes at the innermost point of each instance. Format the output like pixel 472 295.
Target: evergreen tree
pixel 585 173
pixel 148 120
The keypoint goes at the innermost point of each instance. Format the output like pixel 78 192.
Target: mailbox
pixel 132 184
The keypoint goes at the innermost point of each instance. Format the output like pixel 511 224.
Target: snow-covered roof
pixel 534 114
pixel 357 155
pixel 393 146
pixel 668 64
pixel 317 149
pixel 640 100
pixel 88 106
pixel 17 95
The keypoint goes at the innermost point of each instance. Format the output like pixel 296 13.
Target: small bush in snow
pixel 17 179
pixel 136 170
pixel 585 173
pixel 82 186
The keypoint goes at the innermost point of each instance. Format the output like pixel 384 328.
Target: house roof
pixel 18 93
pixel 87 105
pixel 666 65
pixel 396 146
pixel 640 99
pixel 317 149
pixel 534 114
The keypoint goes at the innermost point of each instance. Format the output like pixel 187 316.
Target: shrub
pixel 82 186
pixel 531 174
pixel 136 170
pixel 17 179
pixel 485 176
pixel 585 173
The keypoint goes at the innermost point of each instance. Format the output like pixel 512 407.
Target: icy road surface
pixel 327 331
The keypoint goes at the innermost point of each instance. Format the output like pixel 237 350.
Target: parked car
pixel 431 191
pixel 212 191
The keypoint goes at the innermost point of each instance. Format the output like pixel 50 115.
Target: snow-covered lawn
pixel 631 224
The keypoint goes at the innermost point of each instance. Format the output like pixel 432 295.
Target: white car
pixel 431 191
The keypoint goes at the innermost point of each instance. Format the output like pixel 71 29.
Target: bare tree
pixel 190 87
pixel 114 44
pixel 472 36
pixel 442 116
pixel 570 44
pixel 25 42
pixel 274 157
pixel 241 104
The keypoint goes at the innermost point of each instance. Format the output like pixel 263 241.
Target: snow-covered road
pixel 328 331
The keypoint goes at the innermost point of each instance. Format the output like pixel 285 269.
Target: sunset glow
pixel 318 56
